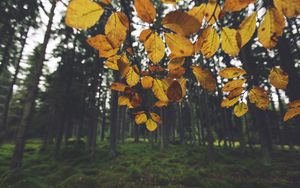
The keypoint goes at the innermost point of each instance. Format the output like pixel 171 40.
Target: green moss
pixel 28 183
pixel 79 181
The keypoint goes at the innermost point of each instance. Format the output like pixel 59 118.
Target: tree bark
pixel 17 156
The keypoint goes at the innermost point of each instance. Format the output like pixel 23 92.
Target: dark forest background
pixel 75 114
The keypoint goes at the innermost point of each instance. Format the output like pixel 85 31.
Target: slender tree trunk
pixel 13 82
pixel 17 156
pixel 6 53
pixel 113 121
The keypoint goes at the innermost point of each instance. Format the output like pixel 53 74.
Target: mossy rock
pixel 80 181
pixel 27 183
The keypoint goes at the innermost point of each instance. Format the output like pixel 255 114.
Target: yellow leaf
pixel 236 92
pixel 176 72
pixel 260 97
pixel 145 35
pixel 198 12
pixel 155 47
pixel 140 118
pixel 181 23
pixel 236 5
pixel 160 104
pixel 107 2
pixel 229 86
pixel 208 42
pixel 115 30
pixel 83 14
pixel 175 63
pixel 124 101
pixel 158 90
pixel 132 78
pixel 229 41
pixel 118 86
pixel 205 78
pixel 232 72
pixel 271 28
pixel 291 113
pixel 103 45
pixel 179 45
pixel 147 82
pixel 226 103
pixel 170 1
pixel 174 92
pixel 278 78
pixel 240 109
pixel 145 10
pixel 111 62
pixel 294 104
pixel 151 125
pixel 247 28
pixel 182 82
pixel 212 11
pixel 123 65
pixel 290 8
pixel 155 117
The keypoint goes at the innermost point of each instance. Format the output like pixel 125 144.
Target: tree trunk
pixel 3 122
pixel 17 156
pixel 113 121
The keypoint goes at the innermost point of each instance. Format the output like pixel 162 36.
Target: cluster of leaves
pixel 172 38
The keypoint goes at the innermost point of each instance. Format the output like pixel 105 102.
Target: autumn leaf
pixel 155 47
pixel 208 42
pixel 240 109
pixel 232 72
pixel 247 29
pixel 294 104
pixel 147 82
pixel 260 97
pixel 290 8
pixel 145 10
pixel 103 45
pixel 135 99
pixel 124 67
pixel 123 101
pixel 112 62
pixel 155 117
pixel 118 86
pixel 160 104
pixel 140 118
pixel 177 72
pixel 229 86
pixel 115 29
pixel 151 125
pixel 291 113
pixel 229 41
pixel 205 78
pixel 175 63
pixel 198 12
pixel 235 92
pixel 158 90
pixel 83 14
pixel 170 1
pixel 179 45
pixel 226 103
pixel 144 35
pixel 271 28
pixel 278 78
pixel 212 11
pixel 236 5
pixel 132 77
pixel 174 91
pixel 181 23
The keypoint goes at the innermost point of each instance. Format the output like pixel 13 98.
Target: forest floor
pixel 138 165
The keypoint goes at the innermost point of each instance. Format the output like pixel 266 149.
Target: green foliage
pixel 139 165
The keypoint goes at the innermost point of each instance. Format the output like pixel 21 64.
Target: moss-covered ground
pixel 138 165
